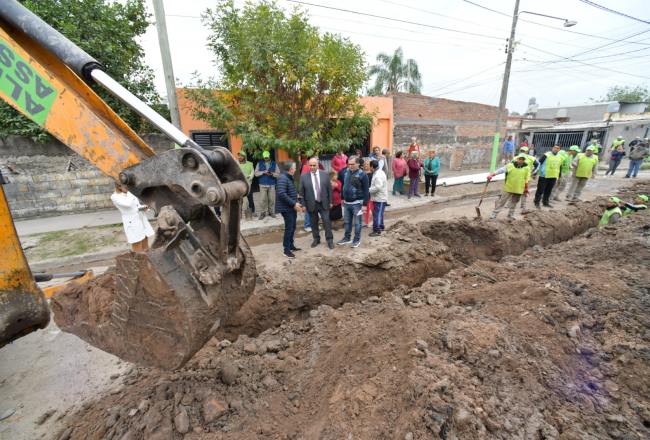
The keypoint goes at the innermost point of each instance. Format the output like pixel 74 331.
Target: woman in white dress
pixel 136 225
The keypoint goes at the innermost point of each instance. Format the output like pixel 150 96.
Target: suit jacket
pixel 307 191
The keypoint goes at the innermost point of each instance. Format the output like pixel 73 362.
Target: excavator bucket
pixel 149 309
pixel 156 308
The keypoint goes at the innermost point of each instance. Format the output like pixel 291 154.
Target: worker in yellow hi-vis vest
pixel 584 168
pixel 516 184
pixel 549 171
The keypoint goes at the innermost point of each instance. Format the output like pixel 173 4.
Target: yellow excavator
pixel 168 301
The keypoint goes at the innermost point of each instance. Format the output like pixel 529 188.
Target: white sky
pixel 446 59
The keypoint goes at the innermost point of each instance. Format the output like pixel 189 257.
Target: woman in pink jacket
pixel 400 169
pixel 339 161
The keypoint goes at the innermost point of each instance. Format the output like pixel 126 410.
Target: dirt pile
pixel 551 344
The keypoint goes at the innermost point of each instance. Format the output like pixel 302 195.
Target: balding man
pixel 316 194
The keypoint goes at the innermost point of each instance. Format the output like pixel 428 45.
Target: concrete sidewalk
pixel 248 227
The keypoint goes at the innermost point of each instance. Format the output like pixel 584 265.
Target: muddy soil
pixel 470 239
pixel 553 343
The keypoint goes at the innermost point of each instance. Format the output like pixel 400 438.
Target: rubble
pixel 549 343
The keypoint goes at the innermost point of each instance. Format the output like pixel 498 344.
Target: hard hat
pixel 241 153
pixel 619 137
pixel 266 154
pixel 575 148
pixel 643 197
pixel 521 156
pixel 615 200
pixel 524 149
pixel 590 148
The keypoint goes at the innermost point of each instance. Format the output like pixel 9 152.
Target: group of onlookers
pixel 355 190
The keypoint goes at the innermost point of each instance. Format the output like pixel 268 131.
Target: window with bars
pixel 209 139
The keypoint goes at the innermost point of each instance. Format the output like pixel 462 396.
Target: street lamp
pixel 506 76
pixel 567 23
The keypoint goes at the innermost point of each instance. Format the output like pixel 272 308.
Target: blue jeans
pixel 378 216
pixel 307 223
pixel 352 213
pixel 635 166
pixel 289 229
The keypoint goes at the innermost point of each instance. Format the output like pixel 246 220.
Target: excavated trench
pixel 404 257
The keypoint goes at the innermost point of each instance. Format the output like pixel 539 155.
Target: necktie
pixel 317 187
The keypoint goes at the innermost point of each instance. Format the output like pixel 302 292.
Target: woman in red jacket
pixel 336 212
pixel 414 174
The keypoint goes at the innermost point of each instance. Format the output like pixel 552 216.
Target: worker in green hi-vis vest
pixel 533 166
pixel 549 172
pixel 565 171
pixel 248 170
pixel 516 184
pixel 613 213
pixel 584 168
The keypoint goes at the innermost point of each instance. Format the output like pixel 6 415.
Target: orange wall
pixel 381 134
pixel 382 129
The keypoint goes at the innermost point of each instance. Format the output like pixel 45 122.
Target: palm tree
pixel 393 75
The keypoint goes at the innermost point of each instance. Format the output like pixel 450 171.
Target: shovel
pixel 478 207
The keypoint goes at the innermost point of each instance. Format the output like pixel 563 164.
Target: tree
pixel 393 75
pixel 282 84
pixel 628 94
pixel 107 30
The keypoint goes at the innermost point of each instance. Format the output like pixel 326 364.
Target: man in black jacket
pixel 286 203
pixel 355 198
pixel 316 194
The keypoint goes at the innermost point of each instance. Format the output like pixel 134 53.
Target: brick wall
pixel 36 195
pixel 39 183
pixel 460 131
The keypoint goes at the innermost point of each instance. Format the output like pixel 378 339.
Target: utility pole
pixel 504 90
pixel 168 70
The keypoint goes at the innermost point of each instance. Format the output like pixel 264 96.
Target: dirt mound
pixel 550 344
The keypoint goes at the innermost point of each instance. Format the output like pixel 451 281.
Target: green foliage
pixel 393 74
pixel 107 30
pixel 628 94
pixel 282 84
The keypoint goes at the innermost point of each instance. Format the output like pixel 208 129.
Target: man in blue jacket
pixel 355 199
pixel 286 203
pixel 267 173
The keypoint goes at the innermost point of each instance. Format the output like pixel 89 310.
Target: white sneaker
pixel 307 229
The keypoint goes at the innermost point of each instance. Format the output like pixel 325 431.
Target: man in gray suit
pixel 316 194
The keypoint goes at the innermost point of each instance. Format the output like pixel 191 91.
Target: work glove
pixel 490 176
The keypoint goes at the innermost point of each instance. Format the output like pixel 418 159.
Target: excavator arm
pixel 199 270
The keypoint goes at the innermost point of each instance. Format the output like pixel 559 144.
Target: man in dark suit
pixel 316 194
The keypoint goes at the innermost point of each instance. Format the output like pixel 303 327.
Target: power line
pixel 454 82
pixel 571 58
pixel 349 11
pixel 599 57
pixel 491 44
pixel 546 25
pixel 426 11
pixel 612 11
pixel 583 63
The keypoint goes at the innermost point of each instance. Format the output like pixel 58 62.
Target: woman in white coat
pixel 136 225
